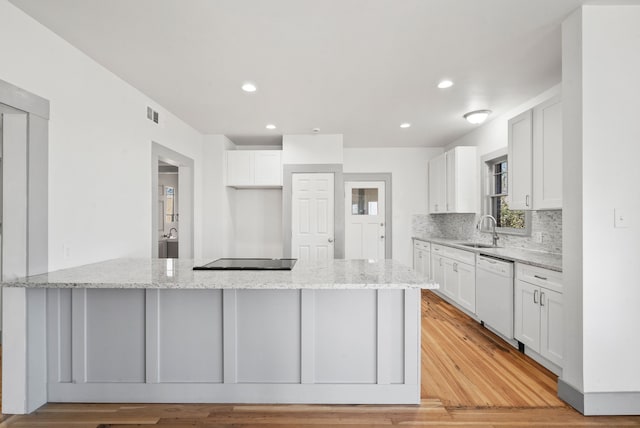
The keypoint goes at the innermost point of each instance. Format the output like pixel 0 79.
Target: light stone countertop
pixel 179 274
pixel 541 259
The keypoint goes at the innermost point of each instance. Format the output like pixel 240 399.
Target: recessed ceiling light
pixel 270 126
pixel 249 87
pixel 444 84
pixel 405 125
pixel 477 117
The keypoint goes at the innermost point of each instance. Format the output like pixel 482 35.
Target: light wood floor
pixel 470 378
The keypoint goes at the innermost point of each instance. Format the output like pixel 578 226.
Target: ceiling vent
pixel 153 115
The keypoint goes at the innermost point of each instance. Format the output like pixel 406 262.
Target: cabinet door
pixel 437 184
pixel 240 168
pixel 451 286
pixel 551 325
pixel 418 255
pixel 547 155
pixel 527 314
pixel 466 286
pixel 520 160
pixel 451 181
pixel 437 267
pixel 268 168
pixel 426 264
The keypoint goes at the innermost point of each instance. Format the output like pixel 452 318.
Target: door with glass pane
pixel 365 220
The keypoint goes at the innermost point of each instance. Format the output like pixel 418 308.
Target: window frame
pixel 487 163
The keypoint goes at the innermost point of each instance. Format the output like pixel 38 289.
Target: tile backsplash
pixel 463 227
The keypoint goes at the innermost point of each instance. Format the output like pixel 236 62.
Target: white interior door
pixel 312 216
pixel 364 220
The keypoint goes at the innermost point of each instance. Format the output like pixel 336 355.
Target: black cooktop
pixel 248 264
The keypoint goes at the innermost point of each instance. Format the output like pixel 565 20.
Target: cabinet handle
pixel 535 296
pixel 542 299
pixel 526 200
pixel 540 277
pixel 455 267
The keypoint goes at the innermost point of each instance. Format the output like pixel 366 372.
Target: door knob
pixel 330 239
pixel 381 236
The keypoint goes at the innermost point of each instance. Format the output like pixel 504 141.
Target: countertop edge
pixel 488 251
pixel 399 286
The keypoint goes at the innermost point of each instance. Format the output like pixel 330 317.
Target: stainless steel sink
pixel 475 245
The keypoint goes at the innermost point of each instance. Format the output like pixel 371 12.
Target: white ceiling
pixel 352 67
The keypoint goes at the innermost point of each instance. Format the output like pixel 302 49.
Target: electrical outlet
pixel 66 251
pixel 537 236
pixel 621 218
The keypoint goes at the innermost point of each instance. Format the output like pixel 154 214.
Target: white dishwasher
pixel 494 294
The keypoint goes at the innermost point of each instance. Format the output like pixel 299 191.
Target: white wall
pixel 605 138
pixel 408 167
pixel 99 145
pixel 218 203
pixel 258 223
pixel 312 149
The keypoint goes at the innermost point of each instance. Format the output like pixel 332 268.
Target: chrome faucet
pixel 495 236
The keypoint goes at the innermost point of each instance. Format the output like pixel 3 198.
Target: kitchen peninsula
pixel 135 330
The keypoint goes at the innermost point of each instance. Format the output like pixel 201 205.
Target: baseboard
pixel 600 403
pixel 570 395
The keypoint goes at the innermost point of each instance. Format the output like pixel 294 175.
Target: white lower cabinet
pixel 422 258
pixel 455 271
pixel 538 314
pixel 450 283
pixel 437 269
pixel 467 286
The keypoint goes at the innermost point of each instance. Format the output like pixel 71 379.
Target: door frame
pixel 338 203
pixel 388 208
pixel 185 198
pixel 24 334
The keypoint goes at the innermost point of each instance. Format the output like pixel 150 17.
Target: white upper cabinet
pixel 535 157
pixel 254 168
pixel 520 160
pixel 268 168
pixel 453 181
pixel 547 155
pixel 240 168
pixel 438 184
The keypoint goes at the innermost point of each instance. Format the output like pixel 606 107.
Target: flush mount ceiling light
pixel 270 126
pixel 477 117
pixel 405 125
pixel 444 84
pixel 249 87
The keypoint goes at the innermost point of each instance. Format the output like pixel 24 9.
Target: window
pixel 497 189
pixel 364 201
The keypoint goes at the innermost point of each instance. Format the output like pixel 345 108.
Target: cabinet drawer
pixel 422 245
pixel 462 256
pixel 546 278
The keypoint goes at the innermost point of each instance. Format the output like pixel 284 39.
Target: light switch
pixel 621 218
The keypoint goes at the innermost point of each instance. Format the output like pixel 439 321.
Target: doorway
pixel 367 216
pixel 312 216
pixel 172 204
pixel 364 224
pixel 168 211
